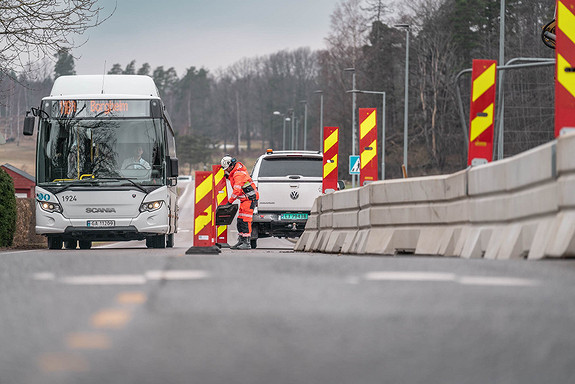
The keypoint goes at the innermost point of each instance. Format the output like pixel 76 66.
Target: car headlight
pixel 50 207
pixel 151 206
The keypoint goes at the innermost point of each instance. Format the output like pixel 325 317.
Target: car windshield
pixel 110 151
pixel 282 166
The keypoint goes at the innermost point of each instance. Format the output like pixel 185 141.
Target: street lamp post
pixel 282 115
pixel 382 123
pixel 304 102
pixel 292 128
pixel 353 133
pixel 406 96
pixel 320 120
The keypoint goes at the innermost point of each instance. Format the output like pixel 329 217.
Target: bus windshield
pixel 101 150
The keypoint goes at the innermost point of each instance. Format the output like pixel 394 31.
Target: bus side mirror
pixel 172 167
pixel 29 125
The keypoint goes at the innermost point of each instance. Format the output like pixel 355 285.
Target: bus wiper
pixel 127 179
pixel 74 183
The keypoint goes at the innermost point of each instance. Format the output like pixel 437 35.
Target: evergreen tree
pixel 116 69
pixel 144 70
pixel 64 63
pixel 130 68
pixel 7 209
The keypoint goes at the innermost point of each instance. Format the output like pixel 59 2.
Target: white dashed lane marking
pixel 155 275
pixel 410 276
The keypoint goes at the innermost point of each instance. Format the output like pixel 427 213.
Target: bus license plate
pixel 294 216
pixel 101 223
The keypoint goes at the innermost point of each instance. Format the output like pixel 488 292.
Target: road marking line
pixel 449 277
pixel 131 298
pixel 44 276
pixel 104 280
pixel 177 275
pixel 409 276
pixel 497 281
pixel 87 340
pixel 111 318
pixel 63 362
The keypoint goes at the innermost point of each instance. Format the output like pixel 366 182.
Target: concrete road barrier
pixel 519 207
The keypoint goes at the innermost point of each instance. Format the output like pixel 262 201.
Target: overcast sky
pixel 202 33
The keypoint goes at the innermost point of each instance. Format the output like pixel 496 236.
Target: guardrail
pixel 519 207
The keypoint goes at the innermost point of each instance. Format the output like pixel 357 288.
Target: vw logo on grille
pixel 294 195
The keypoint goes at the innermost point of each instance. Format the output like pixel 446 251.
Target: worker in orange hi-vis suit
pixel 243 189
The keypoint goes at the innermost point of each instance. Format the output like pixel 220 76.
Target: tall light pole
pixel 292 128
pixel 382 123
pixel 500 82
pixel 283 116
pixel 320 119
pixel 353 134
pixel 406 96
pixel 304 102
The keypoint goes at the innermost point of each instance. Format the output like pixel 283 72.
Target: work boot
pixel 236 245
pixel 245 243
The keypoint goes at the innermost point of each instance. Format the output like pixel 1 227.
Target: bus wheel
pixel 54 242
pixel 85 244
pixel 70 244
pixel 170 240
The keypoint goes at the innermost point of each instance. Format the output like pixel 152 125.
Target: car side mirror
pixel 340 185
pixel 29 122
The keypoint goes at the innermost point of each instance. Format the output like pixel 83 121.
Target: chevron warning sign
pixel 220 198
pixel 367 145
pixel 330 153
pixel 483 77
pixel 565 67
pixel 203 210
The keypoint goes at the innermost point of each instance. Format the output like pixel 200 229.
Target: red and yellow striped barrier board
pixel 330 154
pixel 220 198
pixel 367 145
pixel 565 67
pixel 481 112
pixel 203 210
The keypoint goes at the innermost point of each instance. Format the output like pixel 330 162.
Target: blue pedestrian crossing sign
pixel 354 165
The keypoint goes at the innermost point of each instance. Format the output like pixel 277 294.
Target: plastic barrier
pixel 519 207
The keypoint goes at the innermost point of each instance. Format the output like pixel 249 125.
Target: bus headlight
pixel 50 207
pixel 151 206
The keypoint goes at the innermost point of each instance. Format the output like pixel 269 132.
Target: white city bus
pixel 106 166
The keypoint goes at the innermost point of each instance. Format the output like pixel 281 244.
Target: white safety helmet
pixel 227 161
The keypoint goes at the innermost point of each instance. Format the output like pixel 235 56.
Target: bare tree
pixel 31 30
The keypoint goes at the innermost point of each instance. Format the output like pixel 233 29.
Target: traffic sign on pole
pixel 481 112
pixel 330 157
pixel 367 145
pixel 354 165
pixel 565 68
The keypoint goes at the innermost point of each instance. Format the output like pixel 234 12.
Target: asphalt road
pixel 126 314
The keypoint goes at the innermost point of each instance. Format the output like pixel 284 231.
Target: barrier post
pixel 330 153
pixel 367 145
pixel 203 215
pixel 565 68
pixel 483 75
pixel 220 198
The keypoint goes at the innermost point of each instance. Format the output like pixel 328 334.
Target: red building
pixel 23 182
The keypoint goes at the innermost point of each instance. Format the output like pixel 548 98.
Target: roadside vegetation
pixel 232 110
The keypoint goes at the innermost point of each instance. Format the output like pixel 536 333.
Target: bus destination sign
pixel 99 108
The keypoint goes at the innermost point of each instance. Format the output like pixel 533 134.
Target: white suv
pixel 288 183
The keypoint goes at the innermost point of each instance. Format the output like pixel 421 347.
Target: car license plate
pixel 101 223
pixel 294 216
